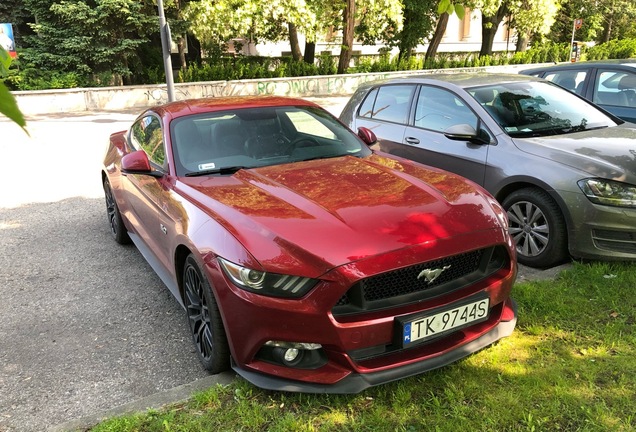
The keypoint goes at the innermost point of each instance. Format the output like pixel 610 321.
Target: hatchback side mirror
pixel 367 135
pixel 465 132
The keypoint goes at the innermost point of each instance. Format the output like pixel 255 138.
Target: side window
pixel 571 79
pixel 437 109
pixel 146 135
pixel 366 109
pixel 615 88
pixel 389 103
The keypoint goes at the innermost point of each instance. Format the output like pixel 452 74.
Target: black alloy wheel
pixel 537 227
pixel 204 319
pixel 117 227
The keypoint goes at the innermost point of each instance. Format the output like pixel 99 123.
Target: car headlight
pixel 271 284
pixel 609 192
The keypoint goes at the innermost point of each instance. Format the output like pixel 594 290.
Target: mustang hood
pixel 341 210
pixel 609 152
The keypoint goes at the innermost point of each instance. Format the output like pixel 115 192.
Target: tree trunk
pixel 522 43
pixel 181 44
pixel 293 42
pixel 489 26
pixel 347 36
pixel 433 45
pixel 607 32
pixel 310 52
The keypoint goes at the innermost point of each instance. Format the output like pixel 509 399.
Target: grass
pixel 569 366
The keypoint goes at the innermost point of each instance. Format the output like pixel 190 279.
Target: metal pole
pixel 572 42
pixel 164 30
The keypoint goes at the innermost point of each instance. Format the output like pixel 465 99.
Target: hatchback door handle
pixel 412 140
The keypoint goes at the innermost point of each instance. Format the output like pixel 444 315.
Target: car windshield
pixel 536 108
pixel 224 142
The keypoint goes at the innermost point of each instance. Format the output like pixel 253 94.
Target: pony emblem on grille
pixel 431 274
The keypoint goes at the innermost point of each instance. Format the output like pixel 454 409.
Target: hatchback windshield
pixel 225 141
pixel 538 109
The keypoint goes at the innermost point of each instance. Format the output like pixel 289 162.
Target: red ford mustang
pixel 305 260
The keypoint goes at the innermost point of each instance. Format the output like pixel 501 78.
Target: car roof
pixel 212 104
pixel 461 79
pixel 630 63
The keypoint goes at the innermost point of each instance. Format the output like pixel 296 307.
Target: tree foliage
pixel 418 23
pixel 88 37
pixel 215 22
pixel 603 20
pixel 527 17
pixel 67 43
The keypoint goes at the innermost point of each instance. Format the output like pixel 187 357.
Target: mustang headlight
pixel 271 284
pixel 609 192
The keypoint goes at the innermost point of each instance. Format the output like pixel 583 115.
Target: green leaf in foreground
pixel 443 6
pixel 9 107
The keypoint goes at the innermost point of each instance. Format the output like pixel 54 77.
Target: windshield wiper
pixel 222 170
pixel 596 127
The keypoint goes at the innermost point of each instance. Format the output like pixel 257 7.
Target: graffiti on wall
pixel 315 86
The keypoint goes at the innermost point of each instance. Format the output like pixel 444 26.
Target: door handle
pixel 412 140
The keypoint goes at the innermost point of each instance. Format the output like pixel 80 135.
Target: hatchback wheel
pixel 537 227
pixel 117 227
pixel 204 319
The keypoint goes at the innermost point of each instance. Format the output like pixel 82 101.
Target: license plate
pixel 421 328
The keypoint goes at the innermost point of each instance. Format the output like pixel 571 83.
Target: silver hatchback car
pixel 563 168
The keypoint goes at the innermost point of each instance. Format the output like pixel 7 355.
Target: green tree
pixel 214 22
pixel 532 18
pixel 603 20
pixel 419 20
pixel 527 16
pixel 94 38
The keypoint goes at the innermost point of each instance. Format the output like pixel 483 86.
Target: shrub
pixel 614 49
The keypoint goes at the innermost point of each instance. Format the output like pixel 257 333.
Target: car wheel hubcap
pixel 529 228
pixel 111 210
pixel 198 313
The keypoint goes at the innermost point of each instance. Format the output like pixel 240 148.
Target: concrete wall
pixel 122 98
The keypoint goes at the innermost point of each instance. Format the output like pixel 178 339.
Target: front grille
pixel 409 284
pixel 617 241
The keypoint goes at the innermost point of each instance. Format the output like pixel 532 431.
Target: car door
pixel 148 196
pixel 615 90
pixel 385 110
pixel 435 110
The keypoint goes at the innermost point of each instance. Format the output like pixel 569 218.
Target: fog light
pixel 291 354
pixel 303 355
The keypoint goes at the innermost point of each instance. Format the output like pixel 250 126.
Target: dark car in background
pixel 563 169
pixel 304 260
pixel 611 84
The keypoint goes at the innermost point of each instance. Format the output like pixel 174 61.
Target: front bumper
pixel 357 382
pixel 600 232
pixel 358 348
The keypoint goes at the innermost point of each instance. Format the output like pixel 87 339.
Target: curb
pixel 154 401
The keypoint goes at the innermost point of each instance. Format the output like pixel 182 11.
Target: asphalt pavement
pixel 87 330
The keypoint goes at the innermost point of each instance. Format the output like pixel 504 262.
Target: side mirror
pixel 137 162
pixel 367 136
pixel 465 132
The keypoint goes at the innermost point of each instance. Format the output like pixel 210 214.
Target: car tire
pixel 537 227
pixel 204 319
pixel 117 227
